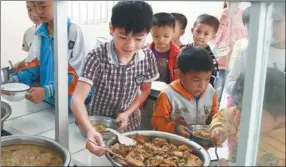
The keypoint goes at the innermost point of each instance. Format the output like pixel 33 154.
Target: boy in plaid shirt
pixel 117 70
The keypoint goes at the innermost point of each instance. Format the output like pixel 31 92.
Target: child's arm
pixel 225 121
pixel 214 109
pixel 217 120
pixel 161 119
pixel 26 76
pixel 218 132
pixel 50 88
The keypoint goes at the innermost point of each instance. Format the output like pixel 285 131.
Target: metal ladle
pixel 12 67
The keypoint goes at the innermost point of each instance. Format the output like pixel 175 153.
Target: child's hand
pixel 36 94
pixel 218 136
pixel 95 136
pixel 20 65
pixel 122 120
pixel 224 16
pixel 183 131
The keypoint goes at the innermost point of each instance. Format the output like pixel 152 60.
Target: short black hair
pixel 208 20
pixel 274 94
pixel 246 16
pixel 194 59
pixel 164 19
pixel 133 16
pixel 181 19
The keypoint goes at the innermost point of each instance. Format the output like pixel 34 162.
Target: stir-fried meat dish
pixel 155 152
pixel 99 127
pixel 203 133
pixel 29 155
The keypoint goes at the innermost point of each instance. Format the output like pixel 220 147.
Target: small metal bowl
pixel 102 120
pixel 204 142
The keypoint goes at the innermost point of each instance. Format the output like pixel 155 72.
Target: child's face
pixel 44 10
pixel 278 24
pixel 32 13
pixel 178 31
pixel 162 36
pixel 195 82
pixel 202 34
pixel 127 45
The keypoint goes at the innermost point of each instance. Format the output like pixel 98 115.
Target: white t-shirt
pixel 276 59
pixel 28 38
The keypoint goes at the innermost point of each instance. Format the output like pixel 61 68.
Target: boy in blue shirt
pixel 40 60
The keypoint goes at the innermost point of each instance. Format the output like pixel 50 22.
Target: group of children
pixel 113 73
pixel 167 28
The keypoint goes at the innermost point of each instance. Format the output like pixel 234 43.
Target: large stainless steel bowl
pixel 175 139
pixel 5 112
pixel 101 120
pixel 39 141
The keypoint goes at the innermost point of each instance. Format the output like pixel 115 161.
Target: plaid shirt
pixel 117 85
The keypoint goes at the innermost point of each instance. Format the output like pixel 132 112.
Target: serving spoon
pixel 122 139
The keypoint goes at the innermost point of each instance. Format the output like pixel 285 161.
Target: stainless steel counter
pixel 28 118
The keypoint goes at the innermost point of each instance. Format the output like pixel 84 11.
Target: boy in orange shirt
pixel 189 100
pixel 164 49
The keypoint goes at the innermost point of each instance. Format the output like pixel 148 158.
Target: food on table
pixel 203 133
pixel 99 127
pixel 155 152
pixel 29 155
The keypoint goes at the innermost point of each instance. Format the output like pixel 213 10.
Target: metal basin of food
pixel 175 139
pixel 5 112
pixel 39 141
pixel 101 120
